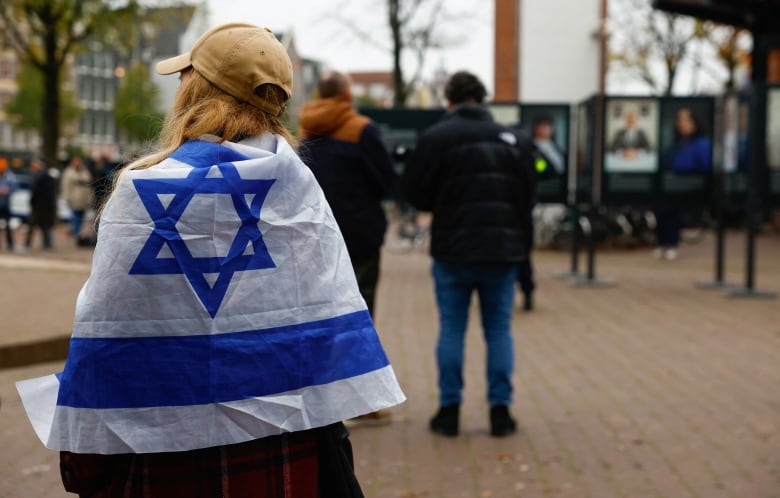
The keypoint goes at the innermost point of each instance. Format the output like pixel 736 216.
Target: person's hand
pixel 4 190
pixel 630 153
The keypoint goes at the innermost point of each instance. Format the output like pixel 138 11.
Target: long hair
pixel 201 108
pixel 697 124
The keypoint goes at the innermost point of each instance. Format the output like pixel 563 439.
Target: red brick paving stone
pixel 569 419
pixel 676 420
pixel 652 388
pixel 700 403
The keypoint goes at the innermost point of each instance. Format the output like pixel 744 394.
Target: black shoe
pixel 501 423
pixel 528 301
pixel 446 420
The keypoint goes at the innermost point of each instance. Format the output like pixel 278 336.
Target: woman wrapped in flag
pixel 221 338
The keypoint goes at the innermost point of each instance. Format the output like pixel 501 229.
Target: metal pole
pixel 757 162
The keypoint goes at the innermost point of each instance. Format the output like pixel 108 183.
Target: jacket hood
pixel 324 116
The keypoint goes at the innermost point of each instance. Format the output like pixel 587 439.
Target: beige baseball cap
pixel 237 58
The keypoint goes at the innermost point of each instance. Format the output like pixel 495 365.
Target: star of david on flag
pixel 167 252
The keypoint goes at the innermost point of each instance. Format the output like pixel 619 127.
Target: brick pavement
pixel 651 388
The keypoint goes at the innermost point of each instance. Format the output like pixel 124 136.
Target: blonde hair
pixel 200 108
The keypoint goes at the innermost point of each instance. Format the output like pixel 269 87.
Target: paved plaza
pixel 650 388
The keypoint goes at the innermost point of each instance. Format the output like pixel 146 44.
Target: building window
pixel 6 139
pixel 5 68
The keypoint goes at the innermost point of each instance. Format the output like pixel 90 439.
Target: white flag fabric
pixel 221 307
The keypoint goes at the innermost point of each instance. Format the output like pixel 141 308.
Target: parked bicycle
pixel 406 232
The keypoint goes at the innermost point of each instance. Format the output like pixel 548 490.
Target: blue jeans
pixel 76 220
pixel 495 286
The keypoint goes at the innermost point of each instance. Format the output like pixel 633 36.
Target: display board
pixel 400 129
pixel 585 125
pixel 773 144
pixel 657 150
pixel 505 113
pixel 734 144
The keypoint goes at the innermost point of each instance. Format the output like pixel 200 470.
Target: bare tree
pixel 732 46
pixel 415 28
pixel 654 46
pixel 651 45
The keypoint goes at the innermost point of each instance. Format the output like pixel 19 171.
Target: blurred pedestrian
pixel 76 188
pixel 8 185
pixel 221 338
pixel 347 156
pixel 43 204
pixel 102 178
pixel 476 177
pixel 690 153
pixel 549 162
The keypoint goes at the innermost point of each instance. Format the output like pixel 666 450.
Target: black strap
pixel 337 467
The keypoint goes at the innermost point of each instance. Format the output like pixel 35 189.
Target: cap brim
pixel 174 64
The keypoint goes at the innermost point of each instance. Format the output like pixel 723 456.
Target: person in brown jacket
pixel 76 188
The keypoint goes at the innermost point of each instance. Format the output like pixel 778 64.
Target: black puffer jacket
pixel 477 178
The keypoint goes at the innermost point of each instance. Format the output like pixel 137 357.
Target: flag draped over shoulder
pixel 221 307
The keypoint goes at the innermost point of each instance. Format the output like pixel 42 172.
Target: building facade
pixel 547 50
pixel 97 80
pixel 13 141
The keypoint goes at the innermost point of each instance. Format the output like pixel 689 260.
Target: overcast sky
pixel 321 32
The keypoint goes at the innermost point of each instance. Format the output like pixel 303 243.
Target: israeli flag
pixel 221 307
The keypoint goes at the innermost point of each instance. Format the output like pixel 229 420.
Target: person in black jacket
pixel 43 204
pixel 477 179
pixel 345 152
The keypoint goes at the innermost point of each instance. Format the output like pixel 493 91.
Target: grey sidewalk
pixel 650 388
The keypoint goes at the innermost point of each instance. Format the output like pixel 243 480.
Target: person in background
pixel 8 185
pixel 691 153
pixel 220 339
pixel 477 179
pixel 103 177
pixel 43 204
pixel 347 156
pixel 76 189
pixel 549 162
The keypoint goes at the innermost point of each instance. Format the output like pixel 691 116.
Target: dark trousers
pixel 367 275
pixel 5 214
pixel 525 276
pixel 45 232
pixel 668 225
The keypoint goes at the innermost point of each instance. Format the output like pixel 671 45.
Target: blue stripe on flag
pixel 202 154
pixel 200 369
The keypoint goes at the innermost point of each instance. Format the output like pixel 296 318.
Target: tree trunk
pixel 51 104
pixel 399 85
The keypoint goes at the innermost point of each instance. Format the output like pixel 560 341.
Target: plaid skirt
pixel 308 464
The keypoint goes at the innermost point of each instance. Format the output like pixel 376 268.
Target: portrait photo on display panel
pixel 686 135
pixel 548 126
pixel 630 138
